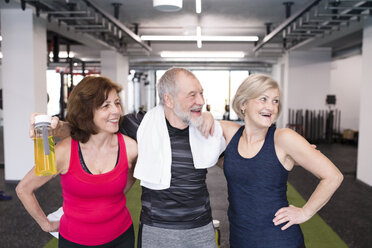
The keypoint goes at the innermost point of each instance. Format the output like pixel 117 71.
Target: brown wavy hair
pixel 85 98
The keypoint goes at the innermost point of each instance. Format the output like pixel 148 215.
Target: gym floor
pixel 348 212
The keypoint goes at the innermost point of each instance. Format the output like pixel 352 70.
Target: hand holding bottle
pixel 45 159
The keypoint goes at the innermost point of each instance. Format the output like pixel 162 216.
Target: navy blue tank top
pixel 257 188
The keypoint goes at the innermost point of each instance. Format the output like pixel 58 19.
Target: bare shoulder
pixel 229 129
pixel 230 124
pixel 129 141
pixel 285 136
pixel 131 147
pixel 293 144
pixel 298 149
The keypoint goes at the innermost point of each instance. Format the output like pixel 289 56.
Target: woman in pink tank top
pixel 96 169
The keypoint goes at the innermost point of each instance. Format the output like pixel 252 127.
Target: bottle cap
pixel 43 119
pixel 216 223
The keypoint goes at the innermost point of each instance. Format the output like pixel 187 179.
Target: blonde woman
pixel 257 160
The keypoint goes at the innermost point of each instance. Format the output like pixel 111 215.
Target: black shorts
pixel 126 240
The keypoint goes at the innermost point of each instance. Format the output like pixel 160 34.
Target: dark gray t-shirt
pixel 186 203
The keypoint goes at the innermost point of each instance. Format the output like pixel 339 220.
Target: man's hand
pixel 207 127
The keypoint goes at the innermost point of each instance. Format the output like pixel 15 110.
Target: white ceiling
pixel 218 17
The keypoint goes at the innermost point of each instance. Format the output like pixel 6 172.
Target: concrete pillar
pixel 24 64
pixel 364 166
pixel 116 67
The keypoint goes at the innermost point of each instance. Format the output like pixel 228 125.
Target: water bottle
pixel 45 158
pixel 216 225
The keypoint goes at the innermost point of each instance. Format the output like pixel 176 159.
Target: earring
pixel 242 111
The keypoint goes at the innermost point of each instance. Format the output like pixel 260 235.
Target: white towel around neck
pixel 154 161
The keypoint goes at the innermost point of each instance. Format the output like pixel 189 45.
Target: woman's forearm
pixel 322 194
pixel 25 192
pixel 32 206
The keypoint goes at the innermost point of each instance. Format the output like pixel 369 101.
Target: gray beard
pixel 186 117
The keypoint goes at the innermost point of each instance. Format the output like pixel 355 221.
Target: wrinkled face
pixel 189 100
pixel 263 110
pixel 106 117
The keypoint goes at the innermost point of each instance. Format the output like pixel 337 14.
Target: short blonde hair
pixel 252 87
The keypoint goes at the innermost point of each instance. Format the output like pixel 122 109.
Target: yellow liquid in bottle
pixel 45 165
pixel 218 241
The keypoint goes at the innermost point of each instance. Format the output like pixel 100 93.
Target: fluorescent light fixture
pixel 194 38
pixel 1 38
pixel 209 54
pixel 230 38
pixel 198 37
pixel 168 38
pixel 198 6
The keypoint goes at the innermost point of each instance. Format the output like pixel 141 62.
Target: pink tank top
pixel 94 206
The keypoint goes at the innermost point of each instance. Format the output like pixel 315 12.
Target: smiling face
pixel 106 117
pixel 189 100
pixel 262 110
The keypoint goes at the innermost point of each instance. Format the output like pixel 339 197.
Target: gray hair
pixel 252 87
pixel 167 83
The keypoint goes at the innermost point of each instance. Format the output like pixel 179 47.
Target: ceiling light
pixel 230 38
pixel 194 38
pixel 198 37
pixel 168 38
pixel 167 5
pixel 198 6
pixel 209 54
pixel 63 54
